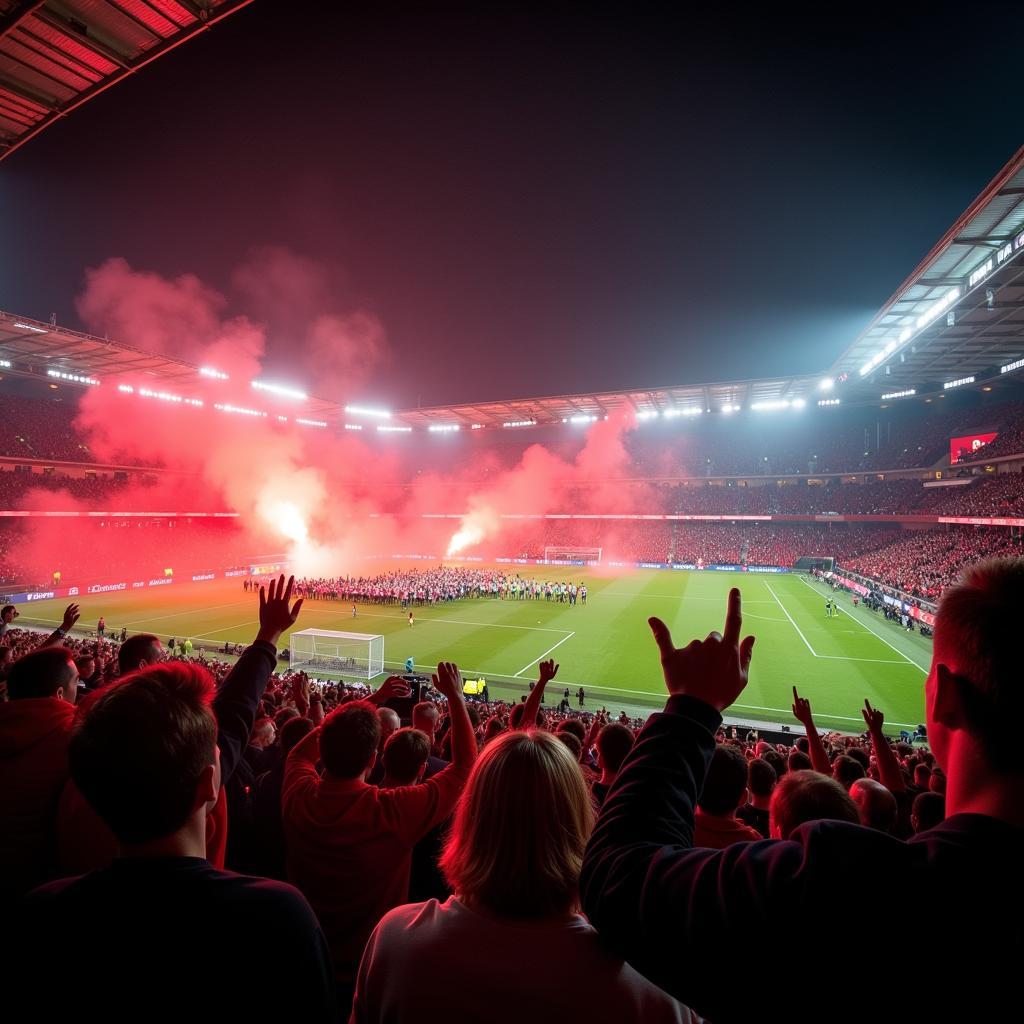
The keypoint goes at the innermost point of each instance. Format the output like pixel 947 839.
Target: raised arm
pixel 239 695
pixel 448 682
pixel 802 713
pixel 889 773
pixel 71 614
pixel 547 670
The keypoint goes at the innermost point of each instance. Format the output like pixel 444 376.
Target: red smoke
pixel 331 499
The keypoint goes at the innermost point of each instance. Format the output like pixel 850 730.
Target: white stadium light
pixel 518 423
pixel 226 407
pixel 279 389
pixel 394 430
pixel 727 409
pixel 310 423
pixel 353 426
pixel 209 371
pixel 5 363
pixel 1017 364
pixel 829 401
pixel 936 309
pixel 580 418
pixel 165 396
pixel 957 383
pixel 798 403
pixel 772 404
pixel 360 410
pixel 827 384
pixel 476 426
pixel 648 414
pixel 74 378
pixel 32 327
pixel 908 393
pixel 443 428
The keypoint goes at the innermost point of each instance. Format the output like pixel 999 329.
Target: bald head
pixel 875 804
pixel 389 723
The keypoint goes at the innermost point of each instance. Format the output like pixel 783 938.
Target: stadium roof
pixel 957 320
pixel 56 54
pixel 961 312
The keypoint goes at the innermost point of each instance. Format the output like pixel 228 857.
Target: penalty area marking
pixel 860 622
pixel 544 655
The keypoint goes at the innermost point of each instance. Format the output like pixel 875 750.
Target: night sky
pixel 533 202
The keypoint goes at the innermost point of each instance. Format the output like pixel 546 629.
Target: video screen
pixel 961 448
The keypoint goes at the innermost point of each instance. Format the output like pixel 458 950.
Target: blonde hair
pixel 521 827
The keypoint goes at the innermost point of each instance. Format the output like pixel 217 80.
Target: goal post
pixel 588 556
pixel 354 655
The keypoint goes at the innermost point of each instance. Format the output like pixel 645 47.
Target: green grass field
pixel 605 646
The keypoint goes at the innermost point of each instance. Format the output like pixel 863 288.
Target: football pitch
pixel 605 646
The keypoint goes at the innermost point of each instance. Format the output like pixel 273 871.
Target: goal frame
pixel 568 553
pixel 363 656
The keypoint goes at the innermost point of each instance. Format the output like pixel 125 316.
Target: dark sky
pixel 535 202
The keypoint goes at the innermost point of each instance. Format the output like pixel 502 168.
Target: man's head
pixel 803 796
pixel 798 761
pixel 927 811
pixel 761 778
pixel 143 752
pixel 922 775
pixel 50 672
pixel 876 805
pixel 725 787
pixel 349 738
pixel 86 665
pixel 405 757
pixel 8 613
pixel 614 742
pixel 973 696
pixel 139 651
pixel 389 723
pixel 847 770
pixel 425 717
pixel 777 761
pixel 574 726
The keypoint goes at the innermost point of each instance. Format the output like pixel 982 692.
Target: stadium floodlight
pixel 361 410
pixel 74 378
pixel 443 428
pixel 648 414
pixel 728 408
pixel 827 384
pixel 518 423
pixel 279 389
pixel 163 396
pixel 5 363
pixel 282 419
pixel 1017 364
pixel 958 383
pixel 334 653
pixel 829 401
pixel 32 327
pixel 227 407
pixel 774 404
pixel 936 309
pixel 580 418
pixel 382 429
pixel 209 371
pixel 353 426
pixel 476 426
pixel 908 393
pixel 310 423
pixel 798 403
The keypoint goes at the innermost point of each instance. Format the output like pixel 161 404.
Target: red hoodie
pixel 33 770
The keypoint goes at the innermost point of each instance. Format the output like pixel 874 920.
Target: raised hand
pixel 300 692
pixel 275 615
pixel 448 681
pixel 873 718
pixel 802 710
pixel 714 670
pixel 548 670
pixel 71 614
pixel 393 688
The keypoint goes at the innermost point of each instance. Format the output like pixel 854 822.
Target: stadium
pixel 163 473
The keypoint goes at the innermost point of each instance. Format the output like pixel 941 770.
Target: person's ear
pixel 208 786
pixel 947 702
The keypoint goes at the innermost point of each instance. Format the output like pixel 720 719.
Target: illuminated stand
pixel 353 655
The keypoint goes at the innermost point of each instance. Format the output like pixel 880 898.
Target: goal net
pixel 588 556
pixel 355 655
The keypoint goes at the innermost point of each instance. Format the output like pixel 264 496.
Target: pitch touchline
pixel 790 617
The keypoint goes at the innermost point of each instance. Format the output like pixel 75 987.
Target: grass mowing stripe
pixel 790 617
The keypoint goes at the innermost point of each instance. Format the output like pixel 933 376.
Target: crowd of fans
pixel 396 854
